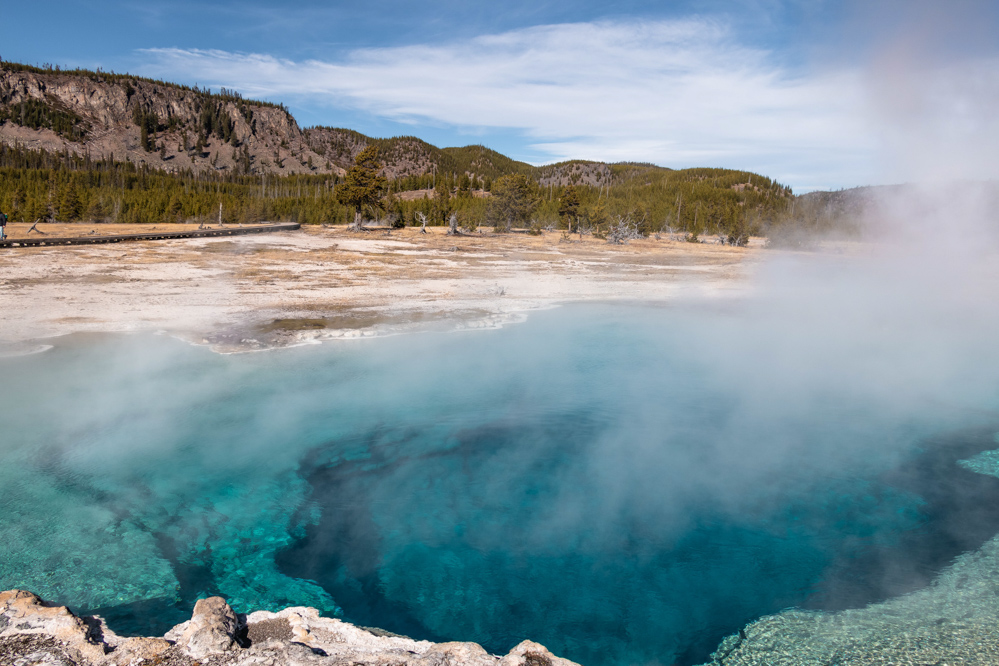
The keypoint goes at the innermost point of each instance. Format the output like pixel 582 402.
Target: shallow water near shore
pixel 624 484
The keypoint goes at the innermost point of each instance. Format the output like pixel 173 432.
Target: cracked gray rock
pixel 35 633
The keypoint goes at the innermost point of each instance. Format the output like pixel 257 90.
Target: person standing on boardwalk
pixel 3 226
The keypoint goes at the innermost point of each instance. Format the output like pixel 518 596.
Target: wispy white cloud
pixel 676 93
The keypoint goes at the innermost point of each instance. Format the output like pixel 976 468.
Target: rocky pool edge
pixel 33 631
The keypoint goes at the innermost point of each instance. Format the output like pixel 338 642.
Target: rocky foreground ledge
pixel 33 632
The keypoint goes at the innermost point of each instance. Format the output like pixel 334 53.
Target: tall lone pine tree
pixel 363 186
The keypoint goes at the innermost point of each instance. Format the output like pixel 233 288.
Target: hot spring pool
pixel 624 484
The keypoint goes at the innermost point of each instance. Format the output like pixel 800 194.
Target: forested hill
pixel 410 156
pixel 834 214
pixel 95 145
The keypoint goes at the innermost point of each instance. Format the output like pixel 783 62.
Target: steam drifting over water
pixel 621 483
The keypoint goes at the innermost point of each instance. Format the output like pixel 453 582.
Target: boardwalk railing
pixel 158 235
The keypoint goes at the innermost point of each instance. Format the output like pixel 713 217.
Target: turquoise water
pixel 624 484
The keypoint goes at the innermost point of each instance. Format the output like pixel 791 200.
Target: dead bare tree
pixel 454 229
pixel 34 227
pixel 423 222
pixel 623 230
pixel 666 227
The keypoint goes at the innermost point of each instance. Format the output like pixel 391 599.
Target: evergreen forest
pixel 68 187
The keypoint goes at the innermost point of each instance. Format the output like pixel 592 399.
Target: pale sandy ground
pixel 250 292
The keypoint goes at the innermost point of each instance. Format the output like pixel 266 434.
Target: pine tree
pixel 362 188
pixel 568 207
pixel 512 202
pixel 96 210
pixel 69 203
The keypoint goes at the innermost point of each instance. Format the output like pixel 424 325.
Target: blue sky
pixel 816 94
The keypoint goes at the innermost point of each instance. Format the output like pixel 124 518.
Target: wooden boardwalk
pixel 39 241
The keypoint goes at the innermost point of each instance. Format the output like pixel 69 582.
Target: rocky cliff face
pixel 34 632
pixel 100 116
